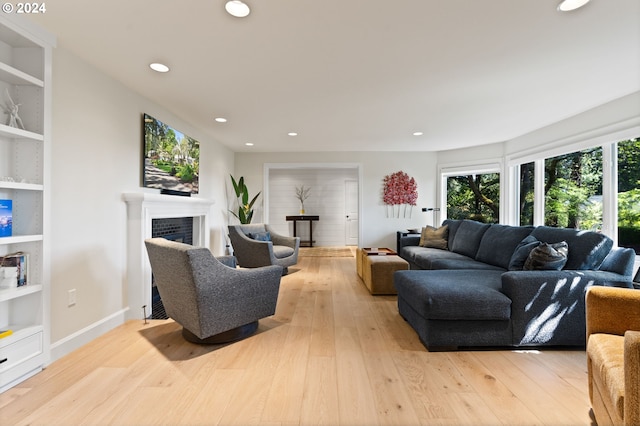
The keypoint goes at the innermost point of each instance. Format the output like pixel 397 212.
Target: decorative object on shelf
pixel 302 194
pixel 14 270
pixel 245 207
pixel 11 109
pixel 400 194
pixel 6 218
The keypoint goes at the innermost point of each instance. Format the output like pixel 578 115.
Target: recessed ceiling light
pixel 156 66
pixel 292 134
pixel 248 144
pixel 221 119
pixel 237 8
pixel 568 5
pixel 418 133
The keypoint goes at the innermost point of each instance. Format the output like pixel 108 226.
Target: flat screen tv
pixel 171 159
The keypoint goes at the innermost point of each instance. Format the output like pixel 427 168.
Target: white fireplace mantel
pixel 142 208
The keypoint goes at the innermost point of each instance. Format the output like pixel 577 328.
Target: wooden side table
pixel 307 218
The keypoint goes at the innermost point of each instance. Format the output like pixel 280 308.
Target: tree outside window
pixel 475 197
pixel 573 190
pixel 629 194
pixel 527 195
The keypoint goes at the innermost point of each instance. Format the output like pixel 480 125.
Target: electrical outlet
pixel 72 297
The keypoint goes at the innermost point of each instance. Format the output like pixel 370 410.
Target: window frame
pixel 609 144
pixel 459 169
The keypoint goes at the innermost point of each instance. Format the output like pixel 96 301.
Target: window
pixel 527 194
pixel 629 194
pixel 573 190
pixel 474 196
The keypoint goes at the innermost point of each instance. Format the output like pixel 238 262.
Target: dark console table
pixel 307 218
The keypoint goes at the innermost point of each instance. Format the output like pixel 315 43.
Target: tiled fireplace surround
pixel 142 209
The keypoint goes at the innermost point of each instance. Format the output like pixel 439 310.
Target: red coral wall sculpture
pixel 400 194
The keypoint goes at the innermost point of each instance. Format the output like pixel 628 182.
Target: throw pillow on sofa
pixel 434 237
pixel 521 253
pixel 548 257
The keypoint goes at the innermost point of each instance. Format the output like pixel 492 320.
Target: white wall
pixel 96 157
pixel 378 229
pixel 326 200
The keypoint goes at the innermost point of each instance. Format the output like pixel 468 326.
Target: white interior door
pixel 351 212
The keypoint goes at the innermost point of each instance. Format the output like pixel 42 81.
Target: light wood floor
pixel 331 355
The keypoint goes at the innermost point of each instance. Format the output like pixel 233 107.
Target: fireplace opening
pixel 178 229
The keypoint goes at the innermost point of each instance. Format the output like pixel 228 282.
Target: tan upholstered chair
pixel 613 354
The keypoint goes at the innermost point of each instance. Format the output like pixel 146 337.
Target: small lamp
pixel 431 209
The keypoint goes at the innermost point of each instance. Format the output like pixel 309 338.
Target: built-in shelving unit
pixel 25 158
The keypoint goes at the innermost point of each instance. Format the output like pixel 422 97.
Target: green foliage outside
pixel 573 183
pixel 573 193
pixel 474 197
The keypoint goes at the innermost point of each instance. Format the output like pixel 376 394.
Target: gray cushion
pixel 499 243
pixel 424 256
pixel 454 295
pixel 467 238
pixel 280 252
pixel 466 263
pixel 521 253
pixel 453 225
pixel 547 257
pixel 587 250
pixel 259 236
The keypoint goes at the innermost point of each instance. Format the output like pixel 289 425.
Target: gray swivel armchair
pixel 253 247
pixel 213 301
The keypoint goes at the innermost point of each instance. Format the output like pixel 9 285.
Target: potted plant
pixel 245 207
pixel 302 194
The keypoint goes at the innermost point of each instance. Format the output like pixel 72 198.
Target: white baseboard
pixel 72 342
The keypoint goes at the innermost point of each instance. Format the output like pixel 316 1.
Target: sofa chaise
pixel 475 284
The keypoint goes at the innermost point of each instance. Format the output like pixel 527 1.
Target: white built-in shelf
pixel 15 292
pixel 20 185
pixel 15 76
pixel 14 132
pixel 21 239
pixel 19 332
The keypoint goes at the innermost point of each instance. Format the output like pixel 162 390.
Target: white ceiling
pixel 361 75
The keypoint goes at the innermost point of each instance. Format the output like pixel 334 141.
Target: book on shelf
pixel 6 220
pixel 5 333
pixel 14 270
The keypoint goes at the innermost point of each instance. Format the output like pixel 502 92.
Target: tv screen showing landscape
pixel 171 158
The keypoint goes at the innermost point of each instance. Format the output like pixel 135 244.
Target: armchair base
pixel 228 336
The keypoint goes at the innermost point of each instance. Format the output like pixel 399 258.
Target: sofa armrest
pixel 632 377
pixel 408 240
pixel 612 310
pixel 548 307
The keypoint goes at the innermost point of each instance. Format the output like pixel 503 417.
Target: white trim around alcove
pixel 297 166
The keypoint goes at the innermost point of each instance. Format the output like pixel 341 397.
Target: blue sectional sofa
pixel 476 292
